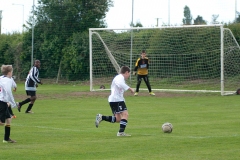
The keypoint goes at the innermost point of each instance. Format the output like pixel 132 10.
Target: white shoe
pixel 98 120
pixel 152 94
pixel 31 112
pixel 9 141
pixel 123 134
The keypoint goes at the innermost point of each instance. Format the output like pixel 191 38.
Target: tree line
pixel 61 38
pixel 188 19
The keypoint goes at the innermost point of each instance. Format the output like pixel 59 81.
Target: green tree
pixel 199 20
pixel 138 24
pixel 188 17
pixel 57 24
pixel 238 19
pixel 235 28
pixel 10 50
pixel 214 19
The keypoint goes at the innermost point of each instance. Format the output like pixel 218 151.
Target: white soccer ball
pixel 167 127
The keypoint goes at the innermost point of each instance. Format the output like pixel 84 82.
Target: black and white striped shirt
pixel 32 79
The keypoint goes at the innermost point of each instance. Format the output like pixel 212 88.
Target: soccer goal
pixel 193 58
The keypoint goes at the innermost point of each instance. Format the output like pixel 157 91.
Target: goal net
pixel 200 58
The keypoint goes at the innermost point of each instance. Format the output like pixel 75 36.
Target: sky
pixel 17 12
pixel 14 14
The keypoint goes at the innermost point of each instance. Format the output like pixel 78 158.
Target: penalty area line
pixel 204 137
pixel 44 127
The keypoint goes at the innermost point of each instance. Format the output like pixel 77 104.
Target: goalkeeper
pixel 141 67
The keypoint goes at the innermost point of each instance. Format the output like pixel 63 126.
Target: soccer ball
pixel 167 127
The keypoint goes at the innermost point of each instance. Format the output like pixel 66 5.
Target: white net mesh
pixel 231 61
pixel 181 58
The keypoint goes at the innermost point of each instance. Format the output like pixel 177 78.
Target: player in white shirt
pixel 117 102
pixel 14 87
pixel 6 100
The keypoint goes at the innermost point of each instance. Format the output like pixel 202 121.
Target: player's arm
pixel 14 85
pixel 147 62
pixel 126 87
pixel 130 89
pixel 136 64
pixel 136 67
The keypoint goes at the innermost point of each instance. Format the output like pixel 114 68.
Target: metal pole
pixel 158 21
pixel 32 35
pixel 0 21
pixel 222 61
pixel 235 11
pixel 131 41
pixel 90 59
pixel 132 12
pixel 23 20
pixel 168 12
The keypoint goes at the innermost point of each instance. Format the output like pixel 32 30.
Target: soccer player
pixel 6 101
pixel 117 102
pixel 141 66
pixel 14 87
pixel 31 85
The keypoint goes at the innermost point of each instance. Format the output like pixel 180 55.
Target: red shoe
pixel 14 116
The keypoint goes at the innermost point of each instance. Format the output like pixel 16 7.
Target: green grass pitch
pixel 205 126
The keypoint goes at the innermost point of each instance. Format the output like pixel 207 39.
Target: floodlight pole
pixel 168 12
pixel 157 21
pixel 236 11
pixel 0 21
pixel 33 23
pixel 131 41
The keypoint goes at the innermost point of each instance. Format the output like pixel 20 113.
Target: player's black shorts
pixel 4 113
pixel 145 77
pixel 118 107
pixel 31 93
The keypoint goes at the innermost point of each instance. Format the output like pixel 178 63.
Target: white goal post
pixel 192 58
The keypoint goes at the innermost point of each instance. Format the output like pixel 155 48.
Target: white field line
pixel 206 137
pixel 50 128
pixel 137 135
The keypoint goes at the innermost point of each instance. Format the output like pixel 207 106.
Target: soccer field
pixel 205 126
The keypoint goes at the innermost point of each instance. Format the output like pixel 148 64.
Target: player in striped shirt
pixel 31 85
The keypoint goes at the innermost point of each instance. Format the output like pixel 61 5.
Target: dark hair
pixel 124 69
pixel 102 87
pixel 37 61
pixel 143 51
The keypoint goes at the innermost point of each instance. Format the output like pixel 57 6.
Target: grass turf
pixel 62 127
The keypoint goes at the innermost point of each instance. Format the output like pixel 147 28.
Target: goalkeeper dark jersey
pixel 141 66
